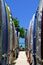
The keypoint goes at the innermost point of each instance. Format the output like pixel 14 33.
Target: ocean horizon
pixel 23 44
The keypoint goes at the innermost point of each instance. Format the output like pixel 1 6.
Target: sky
pixel 23 10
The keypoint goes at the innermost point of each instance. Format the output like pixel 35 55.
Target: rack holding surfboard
pixel 37 37
pixel 8 36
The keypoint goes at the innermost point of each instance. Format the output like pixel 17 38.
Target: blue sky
pixel 23 10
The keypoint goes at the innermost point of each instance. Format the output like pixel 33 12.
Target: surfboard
pixel 0 31
pixel 42 38
pixel 4 34
pixel 38 42
pixel 38 35
pixel 11 42
pixel 31 43
pixel 8 16
pixel 34 42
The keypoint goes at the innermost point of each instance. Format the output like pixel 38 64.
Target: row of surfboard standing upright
pixel 8 36
pixel 34 38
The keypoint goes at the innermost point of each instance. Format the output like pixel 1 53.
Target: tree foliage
pixel 16 22
pixel 17 26
pixel 22 30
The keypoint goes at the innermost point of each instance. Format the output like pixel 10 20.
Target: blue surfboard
pixel 34 42
pixel 4 34
pixel 0 32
